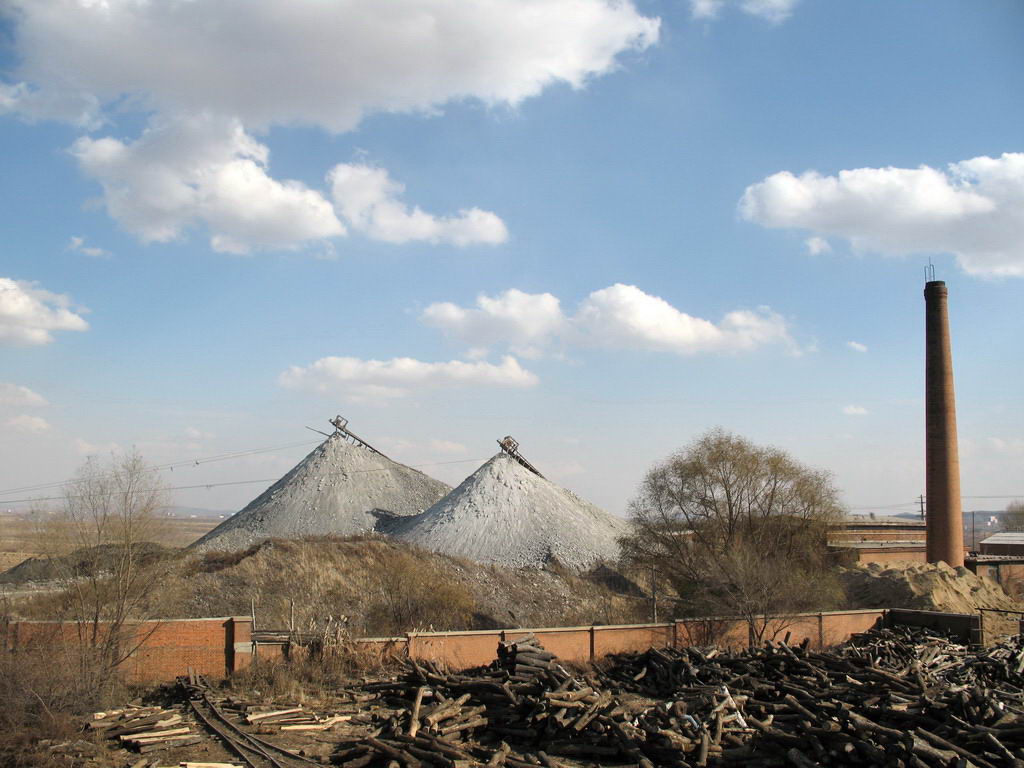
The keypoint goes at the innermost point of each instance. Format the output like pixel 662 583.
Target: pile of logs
pixel 269 720
pixel 145 729
pixel 890 697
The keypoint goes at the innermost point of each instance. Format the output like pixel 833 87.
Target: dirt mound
pixel 331 492
pixel 81 562
pixel 507 515
pixel 374 585
pixel 930 587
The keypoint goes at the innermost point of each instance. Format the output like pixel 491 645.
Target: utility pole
pixel 921 500
pixel 654 596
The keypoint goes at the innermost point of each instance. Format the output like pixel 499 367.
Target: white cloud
pixel 197 434
pixel 19 396
pixel 202 73
pixel 320 63
pixel 524 321
pixel 974 210
pixel 29 424
pixel 817 246
pixel 207 74
pixel 29 314
pixel 398 377
pixel 856 346
pixel 617 316
pixel 624 316
pixel 185 171
pixel 77 245
pixel 369 200
pixel 774 11
pixel 854 410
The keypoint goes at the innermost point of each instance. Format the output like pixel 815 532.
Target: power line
pixel 172 465
pixel 236 482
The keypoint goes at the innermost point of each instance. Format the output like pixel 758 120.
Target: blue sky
pixel 601 227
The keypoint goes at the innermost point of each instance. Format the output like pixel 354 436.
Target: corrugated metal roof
pixel 1005 537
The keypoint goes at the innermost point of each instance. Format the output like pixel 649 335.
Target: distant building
pixel 1005 543
pixel 878 540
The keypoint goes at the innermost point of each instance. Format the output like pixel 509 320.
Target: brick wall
pixel 163 649
pixel 218 646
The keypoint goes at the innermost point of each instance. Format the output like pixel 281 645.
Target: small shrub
pixel 411 595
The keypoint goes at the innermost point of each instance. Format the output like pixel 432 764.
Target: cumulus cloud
pixel 29 314
pixel 19 396
pixel 28 424
pixel 202 74
pixel 526 322
pixel 620 316
pixel 623 315
pixel 856 346
pixel 774 11
pixel 854 410
pixel 77 245
pixel 325 64
pixel 398 377
pixel 973 209
pixel 206 170
pixel 370 202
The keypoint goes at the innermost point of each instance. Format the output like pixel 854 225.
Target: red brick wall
pixel 163 649
pixel 456 650
pixel 216 647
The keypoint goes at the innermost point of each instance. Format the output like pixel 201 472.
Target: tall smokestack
pixel 945 529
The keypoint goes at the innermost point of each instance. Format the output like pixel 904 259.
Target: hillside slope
pixel 374 585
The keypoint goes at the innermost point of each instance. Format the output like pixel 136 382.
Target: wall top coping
pixel 933 613
pixel 129 622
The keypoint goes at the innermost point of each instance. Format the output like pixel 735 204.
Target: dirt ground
pixel 20 540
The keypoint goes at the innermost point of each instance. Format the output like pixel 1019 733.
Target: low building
pixel 1005 543
pixel 859 539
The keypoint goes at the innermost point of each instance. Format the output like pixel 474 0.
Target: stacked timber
pixel 145 729
pixel 293 719
pixel 524 657
pixel 890 697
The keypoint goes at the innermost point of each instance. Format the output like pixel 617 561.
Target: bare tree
pixel 100 547
pixel 737 529
pixel 1013 516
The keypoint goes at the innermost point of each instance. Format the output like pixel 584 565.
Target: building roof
pixel 864 521
pixel 1005 537
pixel 915 545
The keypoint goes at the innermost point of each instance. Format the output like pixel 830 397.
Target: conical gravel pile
pixel 507 515
pixel 333 491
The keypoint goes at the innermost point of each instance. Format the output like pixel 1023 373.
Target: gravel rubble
pixel 335 490
pixel 506 515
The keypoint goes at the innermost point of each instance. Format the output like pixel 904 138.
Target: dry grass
pixel 20 537
pixel 372 586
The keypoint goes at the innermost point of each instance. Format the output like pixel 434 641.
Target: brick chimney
pixel 945 530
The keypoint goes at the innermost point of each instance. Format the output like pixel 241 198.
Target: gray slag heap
pixel 330 492
pixel 507 515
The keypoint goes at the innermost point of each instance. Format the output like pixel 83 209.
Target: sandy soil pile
pixel 330 492
pixel 506 515
pixel 929 587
